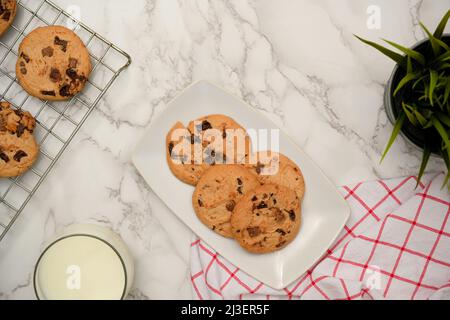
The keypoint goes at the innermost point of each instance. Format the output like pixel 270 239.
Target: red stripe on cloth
pixel 420 225
pixel 372 252
pixel 198 274
pixel 391 245
pixel 397 262
pixel 431 253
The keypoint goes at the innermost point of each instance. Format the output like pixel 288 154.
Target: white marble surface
pixel 295 60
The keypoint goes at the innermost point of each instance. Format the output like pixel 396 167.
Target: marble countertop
pixel 295 60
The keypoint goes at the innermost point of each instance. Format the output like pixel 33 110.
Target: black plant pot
pixel 393 105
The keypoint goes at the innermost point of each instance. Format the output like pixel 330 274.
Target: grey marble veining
pixel 295 60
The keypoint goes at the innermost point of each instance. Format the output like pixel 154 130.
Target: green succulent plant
pixel 422 94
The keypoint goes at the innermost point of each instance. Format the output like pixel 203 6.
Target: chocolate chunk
pixel 47 52
pixel 254 198
pixel 73 63
pixel 254 231
pixel 239 181
pixel 258 167
pixel 230 205
pixel 278 215
pixel 6 16
pixel 23 70
pixel 25 57
pixel 48 93
pixel 64 91
pixel 261 205
pixel 200 203
pixel 4 157
pixel 20 130
pixel 282 243
pixel 292 215
pixel 19 155
pixel 62 43
pixel 55 75
pixel 170 148
pixel 281 231
pixel 72 74
pixel 206 125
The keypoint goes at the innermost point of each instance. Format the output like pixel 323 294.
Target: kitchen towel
pixel 396 245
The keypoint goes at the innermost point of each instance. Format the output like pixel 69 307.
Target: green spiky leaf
pixel 398 58
pixel 397 127
pixel 433 81
pixel 406 79
pixel 441 27
pixel 434 44
pixel 409 52
pixel 423 165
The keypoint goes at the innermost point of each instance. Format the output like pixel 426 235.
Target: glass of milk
pixel 84 262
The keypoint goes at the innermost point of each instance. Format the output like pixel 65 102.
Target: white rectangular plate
pixel 324 211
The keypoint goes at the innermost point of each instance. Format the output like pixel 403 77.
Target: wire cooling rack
pixel 57 122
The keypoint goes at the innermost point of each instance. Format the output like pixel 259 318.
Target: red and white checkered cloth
pixel 396 245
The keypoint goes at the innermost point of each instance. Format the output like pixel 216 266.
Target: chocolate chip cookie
pixel 275 168
pixel 205 142
pixel 53 63
pixel 8 10
pixel 18 148
pixel 217 193
pixel 266 219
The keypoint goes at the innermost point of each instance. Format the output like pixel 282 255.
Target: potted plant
pixel 417 94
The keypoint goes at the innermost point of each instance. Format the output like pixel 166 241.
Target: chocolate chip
pixel 192 138
pixel 64 91
pixel 73 63
pixel 206 125
pixel 292 215
pixel 170 148
pixel 55 75
pixel 22 64
pixel 4 157
pixel 230 205
pixel 62 43
pixel 281 231
pixel 72 74
pixel 282 243
pixel 48 93
pixel 19 155
pixel 6 16
pixel 279 216
pixel 239 181
pixel 23 70
pixel 224 134
pixel 25 57
pixel 258 167
pixel 254 198
pixel 254 231
pixel 20 130
pixel 239 189
pixel 261 205
pixel 47 52
pixel 200 203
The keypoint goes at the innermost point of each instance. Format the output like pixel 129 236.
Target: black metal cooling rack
pixel 57 122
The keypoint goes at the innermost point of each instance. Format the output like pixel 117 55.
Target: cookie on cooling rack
pixel 53 63
pixel 18 148
pixel 8 10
